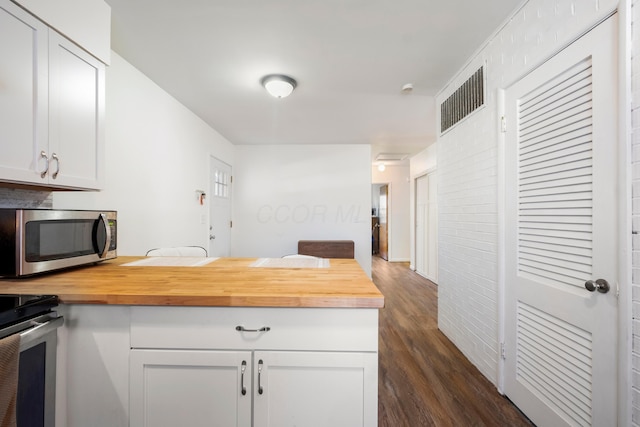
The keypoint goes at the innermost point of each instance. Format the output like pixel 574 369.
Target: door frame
pixel 624 207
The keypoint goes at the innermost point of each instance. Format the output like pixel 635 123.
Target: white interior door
pixel 220 209
pixel 560 210
pixel 427 226
pixel 422 186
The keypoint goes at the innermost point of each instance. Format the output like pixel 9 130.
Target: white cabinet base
pixel 122 366
pixel 196 388
pixel 311 366
pixel 315 389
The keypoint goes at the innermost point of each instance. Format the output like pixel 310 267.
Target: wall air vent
pixel 463 101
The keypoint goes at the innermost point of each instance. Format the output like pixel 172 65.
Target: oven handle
pixel 39 330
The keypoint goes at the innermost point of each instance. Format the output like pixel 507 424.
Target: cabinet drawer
pixel 319 329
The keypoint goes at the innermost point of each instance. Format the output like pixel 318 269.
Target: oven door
pixel 37 371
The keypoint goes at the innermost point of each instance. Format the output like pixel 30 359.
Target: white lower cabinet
pixel 314 389
pixel 186 387
pixel 223 388
pixel 299 367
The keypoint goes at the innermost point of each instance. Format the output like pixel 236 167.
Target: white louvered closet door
pixel 560 211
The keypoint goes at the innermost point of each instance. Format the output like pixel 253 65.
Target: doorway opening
pixel 380 225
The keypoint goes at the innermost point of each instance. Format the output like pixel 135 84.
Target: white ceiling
pixel 350 58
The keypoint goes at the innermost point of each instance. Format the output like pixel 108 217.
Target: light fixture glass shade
pixel 278 85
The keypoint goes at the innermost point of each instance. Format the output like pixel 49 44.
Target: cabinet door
pixel 190 387
pixel 314 389
pixel 23 94
pixel 76 115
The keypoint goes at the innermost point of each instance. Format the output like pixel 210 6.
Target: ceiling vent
pixel 466 99
pixel 391 157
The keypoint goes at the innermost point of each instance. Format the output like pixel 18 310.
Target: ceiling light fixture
pixel 407 89
pixel 381 167
pixel 279 85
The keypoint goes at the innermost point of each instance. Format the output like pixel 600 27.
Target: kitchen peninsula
pixel 233 342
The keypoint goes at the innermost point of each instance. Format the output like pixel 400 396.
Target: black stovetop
pixel 17 308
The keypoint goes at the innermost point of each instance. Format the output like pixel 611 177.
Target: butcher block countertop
pixel 223 282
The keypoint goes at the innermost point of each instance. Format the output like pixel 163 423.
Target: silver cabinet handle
pixel 43 155
pixel 243 329
pixel 260 389
pixel 242 369
pixel 55 157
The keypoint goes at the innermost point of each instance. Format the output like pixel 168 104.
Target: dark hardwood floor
pixel 424 380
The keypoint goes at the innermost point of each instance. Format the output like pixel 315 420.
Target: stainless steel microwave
pixel 36 241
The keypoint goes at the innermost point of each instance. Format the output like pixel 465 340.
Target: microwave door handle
pixel 107 232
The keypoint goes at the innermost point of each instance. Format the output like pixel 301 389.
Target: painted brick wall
pixel 467 169
pixel 635 140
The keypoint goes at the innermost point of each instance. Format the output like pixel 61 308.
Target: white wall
pixel 397 176
pixel 375 197
pixel 635 219
pixel 467 173
pixel 286 193
pixel 424 162
pixel 157 156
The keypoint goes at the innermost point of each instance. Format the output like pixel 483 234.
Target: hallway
pixel 424 380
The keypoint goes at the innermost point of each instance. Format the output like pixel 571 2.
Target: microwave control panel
pixel 113 244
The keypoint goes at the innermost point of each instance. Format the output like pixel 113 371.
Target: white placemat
pixel 171 261
pixel 291 263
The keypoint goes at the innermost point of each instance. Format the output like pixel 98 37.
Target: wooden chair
pixel 327 248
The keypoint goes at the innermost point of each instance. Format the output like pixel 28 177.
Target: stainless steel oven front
pixel 35 405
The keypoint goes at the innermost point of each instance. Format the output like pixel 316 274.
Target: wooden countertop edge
pixel 224 301
pixel 226 282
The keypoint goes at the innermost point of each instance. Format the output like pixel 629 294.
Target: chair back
pixel 196 251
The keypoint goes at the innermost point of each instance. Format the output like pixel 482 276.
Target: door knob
pixel 599 285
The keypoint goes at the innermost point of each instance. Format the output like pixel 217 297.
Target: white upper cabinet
pixel 86 22
pixel 51 106
pixel 23 93
pixel 76 115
